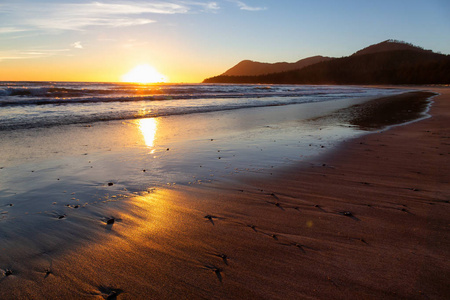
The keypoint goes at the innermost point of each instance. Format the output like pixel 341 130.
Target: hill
pixel 389 62
pixel 389 45
pixel 254 68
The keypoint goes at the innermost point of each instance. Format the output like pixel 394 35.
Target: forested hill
pixel 254 68
pixel 389 45
pixel 389 62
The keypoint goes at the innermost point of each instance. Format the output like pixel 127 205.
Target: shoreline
pixel 403 172
pixel 357 221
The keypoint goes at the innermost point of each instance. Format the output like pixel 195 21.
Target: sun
pixel 144 74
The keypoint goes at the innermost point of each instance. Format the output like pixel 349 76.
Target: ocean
pixel 25 105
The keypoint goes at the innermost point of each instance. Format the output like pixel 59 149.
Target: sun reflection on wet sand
pixel 148 128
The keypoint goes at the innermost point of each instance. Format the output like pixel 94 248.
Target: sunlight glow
pixel 144 74
pixel 148 129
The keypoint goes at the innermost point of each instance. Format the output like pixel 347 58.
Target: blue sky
pixel 191 40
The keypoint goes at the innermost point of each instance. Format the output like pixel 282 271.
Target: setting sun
pixel 144 74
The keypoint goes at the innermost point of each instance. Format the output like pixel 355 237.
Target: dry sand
pixel 370 221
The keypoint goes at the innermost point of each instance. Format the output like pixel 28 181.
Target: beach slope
pixel 368 221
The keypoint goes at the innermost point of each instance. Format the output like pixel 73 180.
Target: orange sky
pixel 108 68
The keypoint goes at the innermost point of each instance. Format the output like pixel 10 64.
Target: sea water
pixel 44 104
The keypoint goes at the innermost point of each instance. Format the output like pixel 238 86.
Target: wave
pixel 63 93
pixel 33 105
pixel 23 96
pixel 60 92
pixel 134 98
pixel 52 120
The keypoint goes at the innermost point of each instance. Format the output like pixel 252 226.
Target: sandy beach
pixel 369 220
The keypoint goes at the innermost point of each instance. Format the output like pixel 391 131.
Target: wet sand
pixel 369 221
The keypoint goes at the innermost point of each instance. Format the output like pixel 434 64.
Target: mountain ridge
pixel 254 68
pixel 389 45
pixel 388 62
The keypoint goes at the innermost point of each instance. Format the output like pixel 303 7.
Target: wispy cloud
pixel 4 30
pixel 212 6
pixel 77 45
pixel 78 16
pixel 244 6
pixel 204 6
pixel 3 58
pixel 30 15
pixel 43 52
pixel 31 54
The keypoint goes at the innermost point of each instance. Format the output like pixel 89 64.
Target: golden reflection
pixel 153 216
pixel 148 129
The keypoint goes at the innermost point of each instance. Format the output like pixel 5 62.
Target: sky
pixel 188 41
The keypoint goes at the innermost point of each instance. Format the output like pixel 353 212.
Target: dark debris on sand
pixel 109 293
